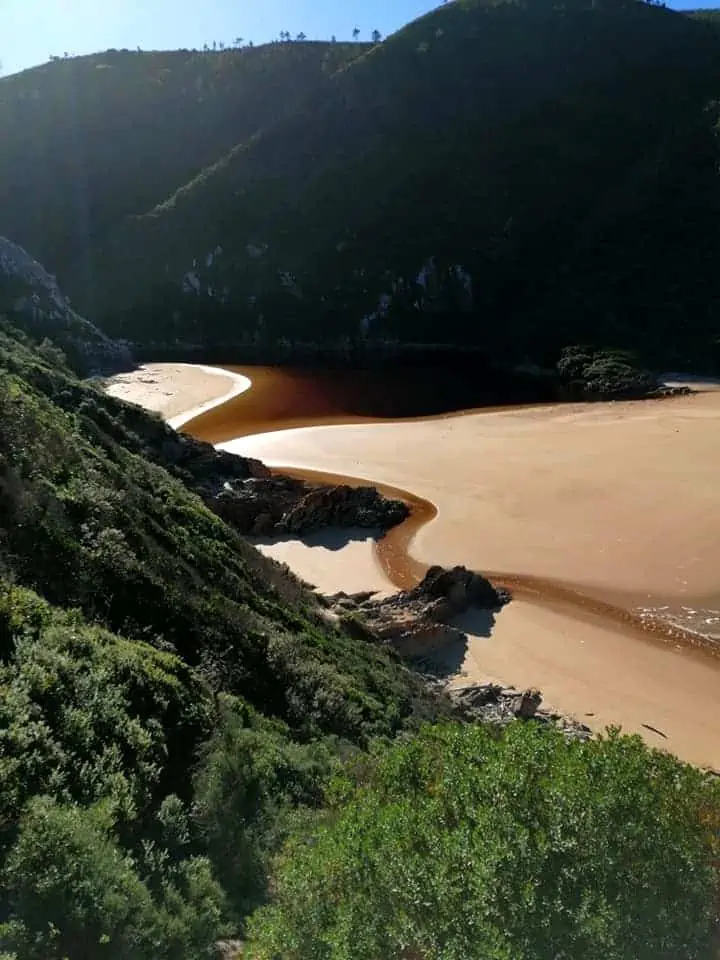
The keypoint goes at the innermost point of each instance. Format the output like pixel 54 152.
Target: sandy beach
pixel 619 501
pixel 620 498
pixel 178 391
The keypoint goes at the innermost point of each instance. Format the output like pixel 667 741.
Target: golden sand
pixel 618 502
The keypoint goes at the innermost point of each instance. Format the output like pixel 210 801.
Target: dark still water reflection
pixel 282 397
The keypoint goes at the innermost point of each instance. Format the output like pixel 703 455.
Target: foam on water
pixel 701 621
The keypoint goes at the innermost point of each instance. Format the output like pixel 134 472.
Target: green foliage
pixel 251 778
pixel 562 153
pixel 464 843
pixel 593 374
pixel 104 120
pixel 87 716
pixel 141 800
pixel 89 522
pixel 71 892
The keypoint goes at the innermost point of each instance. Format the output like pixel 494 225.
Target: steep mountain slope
pixel 548 173
pixel 88 141
pixel 89 522
pixel 155 669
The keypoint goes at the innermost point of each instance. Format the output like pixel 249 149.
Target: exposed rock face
pixel 32 299
pixel 263 505
pixel 492 703
pixel 419 620
pixel 211 470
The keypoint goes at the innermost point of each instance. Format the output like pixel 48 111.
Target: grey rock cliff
pixel 31 298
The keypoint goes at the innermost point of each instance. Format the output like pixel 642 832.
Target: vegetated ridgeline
pixel 517 176
pixel 89 141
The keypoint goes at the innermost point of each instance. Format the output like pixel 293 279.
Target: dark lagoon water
pixel 286 396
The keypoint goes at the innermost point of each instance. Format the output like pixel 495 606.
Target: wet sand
pixel 621 499
pixel 602 675
pixel 615 503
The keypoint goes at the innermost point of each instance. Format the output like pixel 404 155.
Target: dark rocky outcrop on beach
pixel 493 703
pixel 280 506
pixel 418 621
pixel 419 625
pixel 246 494
pixel 210 470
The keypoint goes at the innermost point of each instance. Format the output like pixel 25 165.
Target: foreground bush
pixel 464 843
pixel 74 894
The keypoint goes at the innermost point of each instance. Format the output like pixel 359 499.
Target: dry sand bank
pixel 332 560
pixel 178 391
pixel 619 499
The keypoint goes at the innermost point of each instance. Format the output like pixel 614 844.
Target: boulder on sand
pixel 419 620
pixel 281 506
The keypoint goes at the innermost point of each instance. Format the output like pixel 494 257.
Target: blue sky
pixel 34 29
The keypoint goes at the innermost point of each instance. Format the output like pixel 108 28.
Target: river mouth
pixel 603 520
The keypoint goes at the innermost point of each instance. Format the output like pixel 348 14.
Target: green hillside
pixel 88 141
pixel 565 156
pixel 148 654
pixel 548 172
pixel 192 753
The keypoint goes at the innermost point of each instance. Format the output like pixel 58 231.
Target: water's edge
pixel 670 624
pixel 405 571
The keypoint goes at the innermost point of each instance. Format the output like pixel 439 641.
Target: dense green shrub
pixel 141 800
pixel 86 716
pixel 71 892
pixel 464 843
pixel 591 374
pixel 251 780
pixel 89 521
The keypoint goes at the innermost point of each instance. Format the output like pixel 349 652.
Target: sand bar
pixel 178 391
pixel 620 500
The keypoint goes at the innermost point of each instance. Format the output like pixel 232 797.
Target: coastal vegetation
pixel 194 749
pixel 192 752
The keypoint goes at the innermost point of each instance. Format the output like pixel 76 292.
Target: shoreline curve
pixel 240 384
pixel 392 551
pixel 404 571
pixel 579 643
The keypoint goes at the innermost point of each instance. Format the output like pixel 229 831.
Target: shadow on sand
pixel 332 538
pixel 448 659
